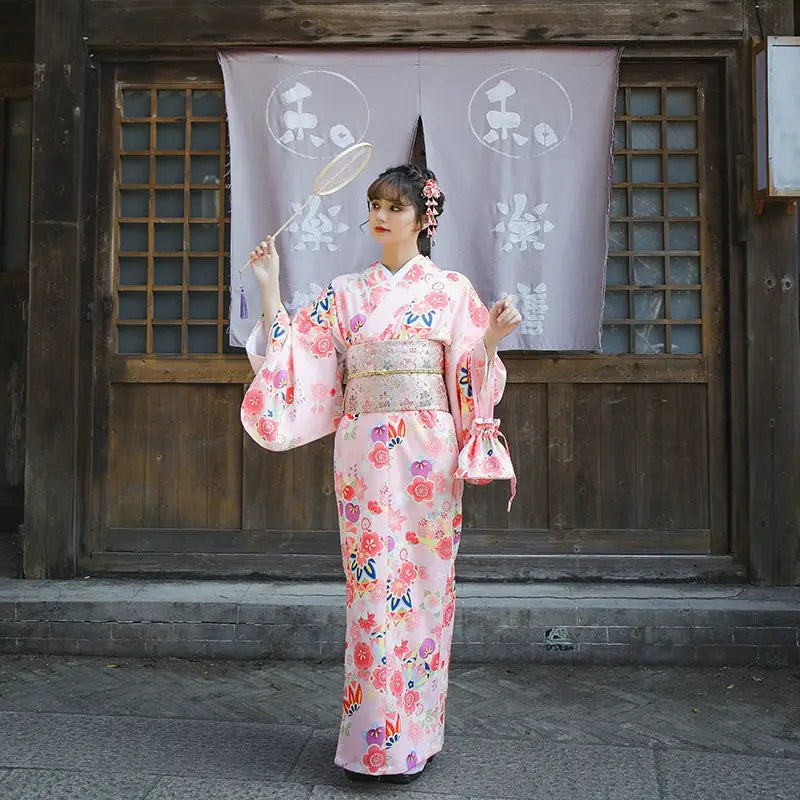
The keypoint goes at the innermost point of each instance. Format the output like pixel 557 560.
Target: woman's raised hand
pixel 266 262
pixel 503 320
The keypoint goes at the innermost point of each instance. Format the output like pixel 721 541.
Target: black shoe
pixel 407 777
pixel 361 777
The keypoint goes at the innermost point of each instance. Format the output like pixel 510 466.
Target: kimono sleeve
pixel 469 323
pixel 296 395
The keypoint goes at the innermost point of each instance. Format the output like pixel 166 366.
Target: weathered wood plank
pixel 485 505
pixel 87 365
pixel 590 368
pixel 481 568
pixel 774 399
pixel 314 500
pixel 646 461
pixel 617 423
pixel 525 426
pixel 585 508
pixel 474 541
pixel 692 473
pixel 191 450
pixel 672 457
pixel 175 457
pixel 656 444
pixel 268 497
pixel 223 459
pixel 127 456
pixel 13 334
pixel 102 291
pixel 738 167
pixel 714 430
pixel 163 454
pixel 145 23
pixel 54 310
pixel 522 368
pixel 189 435
pixel 50 431
pixel 773 364
pixel 560 453
pixel 599 568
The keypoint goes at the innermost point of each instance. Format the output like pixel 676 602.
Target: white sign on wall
pixel 776 76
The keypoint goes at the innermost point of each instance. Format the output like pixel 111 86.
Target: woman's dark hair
pixel 404 184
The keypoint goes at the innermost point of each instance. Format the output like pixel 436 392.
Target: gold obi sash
pixel 395 375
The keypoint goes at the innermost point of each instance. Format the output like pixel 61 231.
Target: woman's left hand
pixel 503 320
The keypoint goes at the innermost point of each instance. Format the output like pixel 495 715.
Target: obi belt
pixel 395 375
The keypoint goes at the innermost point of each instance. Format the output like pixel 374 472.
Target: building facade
pixel 673 455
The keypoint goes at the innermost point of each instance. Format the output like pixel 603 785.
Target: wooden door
pixel 622 457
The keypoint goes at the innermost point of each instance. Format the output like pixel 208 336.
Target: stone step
pixel 545 623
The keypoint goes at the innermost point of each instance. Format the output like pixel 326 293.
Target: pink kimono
pixel 401 346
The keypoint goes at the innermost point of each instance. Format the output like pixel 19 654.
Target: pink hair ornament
pixel 431 192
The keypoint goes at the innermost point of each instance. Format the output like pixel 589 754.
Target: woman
pixel 383 358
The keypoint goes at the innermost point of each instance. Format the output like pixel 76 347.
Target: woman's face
pixel 393 222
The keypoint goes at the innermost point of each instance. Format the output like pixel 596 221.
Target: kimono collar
pixel 391 278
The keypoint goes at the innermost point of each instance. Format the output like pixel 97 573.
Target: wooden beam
pixel 54 311
pixel 88 369
pixel 527 368
pixel 773 362
pixel 468 567
pixel 473 542
pixel 116 25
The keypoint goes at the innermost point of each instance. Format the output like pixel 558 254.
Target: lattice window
pixel 654 273
pixel 173 222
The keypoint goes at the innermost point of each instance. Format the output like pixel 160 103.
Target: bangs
pixel 391 188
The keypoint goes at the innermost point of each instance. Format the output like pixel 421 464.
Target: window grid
pixel 655 265
pixel 172 248
pixel 655 224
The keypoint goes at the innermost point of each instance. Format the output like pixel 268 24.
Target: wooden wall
pixel 175 457
pixel 592 457
pixel 597 479
pixel 620 456
pixel 143 24
pixel 773 362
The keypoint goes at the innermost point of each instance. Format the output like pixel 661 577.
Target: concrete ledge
pixel 570 623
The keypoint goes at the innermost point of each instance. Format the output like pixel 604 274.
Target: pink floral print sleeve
pixel 296 396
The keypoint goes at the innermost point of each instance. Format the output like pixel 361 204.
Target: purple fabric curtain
pixel 288 114
pixel 521 142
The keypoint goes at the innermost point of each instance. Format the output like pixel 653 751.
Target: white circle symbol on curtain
pixel 520 113
pixel 317 113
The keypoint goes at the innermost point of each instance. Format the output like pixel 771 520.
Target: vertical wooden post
pixel 773 362
pixel 49 548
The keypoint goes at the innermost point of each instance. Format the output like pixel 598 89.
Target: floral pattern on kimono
pixel 398 501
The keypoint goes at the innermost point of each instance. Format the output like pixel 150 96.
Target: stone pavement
pixel 80 728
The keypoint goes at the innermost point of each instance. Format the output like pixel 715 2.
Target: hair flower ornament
pixel 431 192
